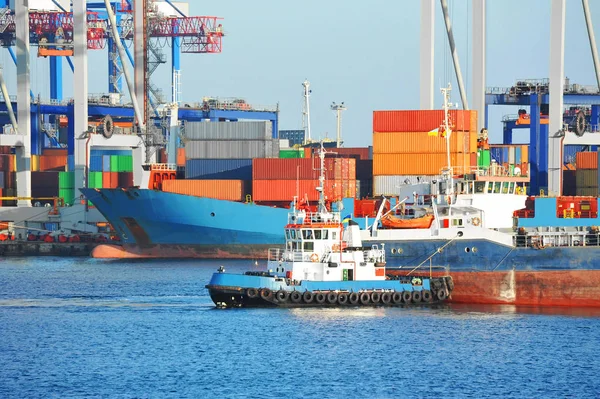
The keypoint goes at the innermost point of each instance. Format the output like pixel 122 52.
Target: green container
pixel 125 163
pixel 292 153
pixel 95 180
pixel 66 180
pixel 114 163
pixel 483 158
pixel 67 194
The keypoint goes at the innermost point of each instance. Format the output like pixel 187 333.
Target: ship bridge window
pixel 334 235
pixel 293 234
pixel 457 222
pixel 497 187
pixel 309 246
pixel 318 234
pixel 479 186
pixel 490 187
pixel 307 234
pixel 505 187
pixel 511 190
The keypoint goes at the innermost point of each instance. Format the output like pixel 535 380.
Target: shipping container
pixel 421 120
pixel 295 137
pixel 422 143
pixel 95 180
pixel 109 151
pixel 230 190
pixel 570 153
pixel 246 130
pixel 302 168
pixel 52 162
pixel 586 178
pixel 238 149
pixel 181 157
pixel 419 164
pixel 105 163
pixel 587 191
pixel 44 180
pixel 110 179
pixel 286 190
pixel 483 158
pixel 364 169
pixel 586 160
pixel 34 163
pixel 358 152
pixel 569 182
pixel 66 180
pixel 364 188
pixel 125 179
pixel 218 169
pixel 1 179
pixel 291 153
pixel 96 163
pixel 68 195
pixel 56 152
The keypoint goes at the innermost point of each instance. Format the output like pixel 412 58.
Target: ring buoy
pixel 314 258
pixel 417 281
pixel 320 297
pixel 426 295
pixel 308 297
pixel 397 298
pixel 343 298
pixel 332 297
pixel 441 295
pixel 353 298
pixel 417 296
pixel 335 248
pixel 476 221
pixel 406 296
pixel 365 298
pixel 386 298
pixel 266 294
pixel 251 293
pixel 296 296
pixel 375 297
pixel 282 295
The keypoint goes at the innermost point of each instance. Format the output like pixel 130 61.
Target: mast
pixel 321 188
pixel 306 111
pixel 448 133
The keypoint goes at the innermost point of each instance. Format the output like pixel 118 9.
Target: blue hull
pixel 160 224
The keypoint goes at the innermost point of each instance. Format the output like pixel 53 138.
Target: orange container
pixel 54 151
pixel 586 160
pixel 110 179
pixel 307 152
pixel 422 143
pixel 420 121
pixel 230 190
pixel 419 164
pixel 286 190
pixel 52 163
pixel 181 157
pixel 525 153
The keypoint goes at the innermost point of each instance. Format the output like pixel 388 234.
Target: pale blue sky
pixel 363 53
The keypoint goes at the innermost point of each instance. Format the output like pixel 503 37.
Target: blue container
pixel 218 169
pixel 96 163
pixel 110 152
pixel 51 226
pixel 518 155
pixel 570 152
pixel 497 154
pixel 106 163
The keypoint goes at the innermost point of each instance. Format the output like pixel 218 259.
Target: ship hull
pixel 168 251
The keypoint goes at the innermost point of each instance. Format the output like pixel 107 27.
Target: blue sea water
pixel 148 329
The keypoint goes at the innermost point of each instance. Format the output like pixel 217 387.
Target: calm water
pixel 87 328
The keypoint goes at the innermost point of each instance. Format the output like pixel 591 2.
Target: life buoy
pixel 320 297
pixel 365 298
pixel 342 298
pixel 332 297
pixel 335 248
pixel 397 298
pixel 426 295
pixel 417 281
pixel 441 295
pixel 386 298
pixel 251 293
pixel 308 297
pixel 375 297
pixel 266 294
pixel 314 258
pixel 282 295
pixel 417 296
pixel 353 298
pixel 476 221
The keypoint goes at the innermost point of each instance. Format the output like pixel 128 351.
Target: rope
pixel 440 249
pixel 502 260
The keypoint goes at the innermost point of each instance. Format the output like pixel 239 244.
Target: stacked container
pixel 280 180
pixel 586 176
pixel 407 144
pixel 52 159
pixel 513 158
pixel 8 182
pixel 66 187
pixel 110 169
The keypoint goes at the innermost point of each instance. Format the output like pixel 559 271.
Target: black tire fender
pixel 332 297
pixel 342 298
pixel 251 293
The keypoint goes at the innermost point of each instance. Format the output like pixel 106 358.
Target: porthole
pixel 400 250
pixel 212 214
pixel 474 249
pixel 393 251
pixel 467 249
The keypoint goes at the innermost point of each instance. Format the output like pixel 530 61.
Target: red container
pixel 181 157
pixel 586 160
pixel 61 152
pixel 125 179
pixel 420 121
pixel 52 163
pixel 230 190
pixel 110 179
pixel 290 168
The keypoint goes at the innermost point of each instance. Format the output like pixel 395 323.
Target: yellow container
pixel 35 163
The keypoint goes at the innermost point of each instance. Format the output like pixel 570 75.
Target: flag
pixel 347 218
pixel 433 132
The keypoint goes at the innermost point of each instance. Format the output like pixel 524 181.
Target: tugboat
pixel 324 264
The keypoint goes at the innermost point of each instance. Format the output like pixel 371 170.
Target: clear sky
pixel 363 53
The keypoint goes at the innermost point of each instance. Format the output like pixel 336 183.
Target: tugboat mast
pixel 448 133
pixel 321 187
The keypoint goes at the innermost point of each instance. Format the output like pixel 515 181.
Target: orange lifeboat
pixel 392 222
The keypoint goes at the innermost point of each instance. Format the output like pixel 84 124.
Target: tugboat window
pixel 318 234
pixel 334 235
pixel 307 234
pixel 293 234
pixel 309 246
pixel 479 186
